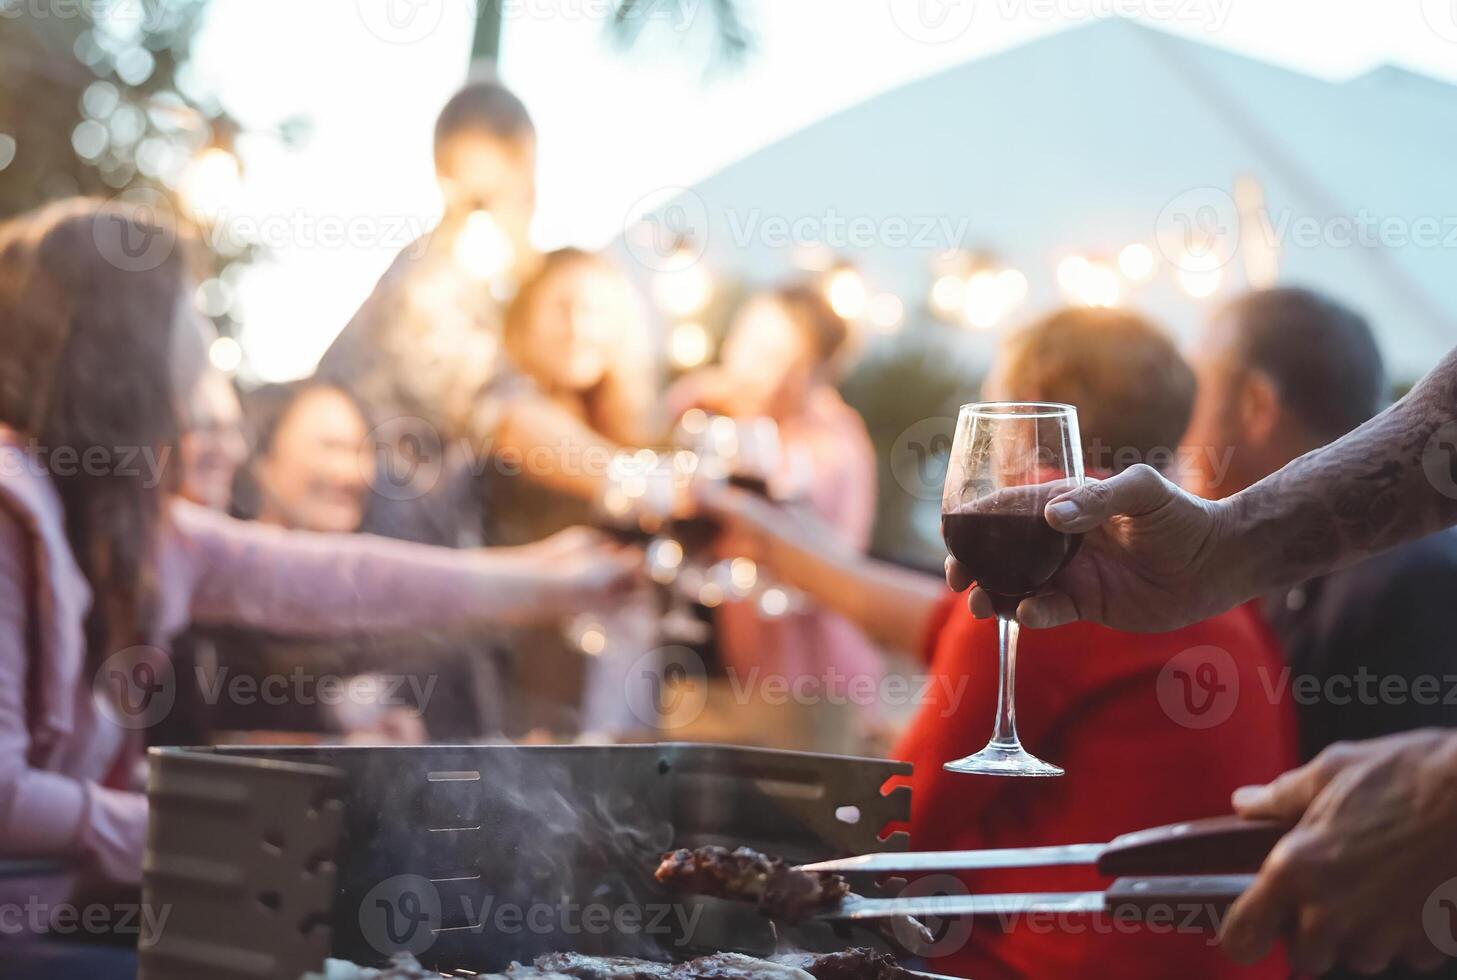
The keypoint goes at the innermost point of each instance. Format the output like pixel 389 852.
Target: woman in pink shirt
pixel 100 564
pixel 779 362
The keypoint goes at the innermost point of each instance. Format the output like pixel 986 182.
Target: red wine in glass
pixel 1011 556
pixel 1007 461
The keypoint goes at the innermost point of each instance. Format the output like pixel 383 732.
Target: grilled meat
pixel 745 875
pixel 852 964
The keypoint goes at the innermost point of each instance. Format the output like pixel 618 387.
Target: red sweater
pixel 1137 751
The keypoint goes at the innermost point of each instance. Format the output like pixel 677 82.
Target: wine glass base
pixel 1004 760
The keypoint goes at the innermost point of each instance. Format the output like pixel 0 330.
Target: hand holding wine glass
pixel 1151 559
pixel 1007 461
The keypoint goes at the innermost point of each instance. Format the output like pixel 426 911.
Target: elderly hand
pixel 1150 559
pixel 1369 875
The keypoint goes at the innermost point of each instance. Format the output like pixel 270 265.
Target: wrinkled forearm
pixel 1392 480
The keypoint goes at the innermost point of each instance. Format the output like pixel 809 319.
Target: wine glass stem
pixel 1006 730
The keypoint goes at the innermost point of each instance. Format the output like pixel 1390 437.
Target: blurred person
pixel 425 352
pixel 311 469
pixel 779 361
pixel 1104 704
pixel 213 446
pixel 577 333
pixel 1282 373
pixel 101 565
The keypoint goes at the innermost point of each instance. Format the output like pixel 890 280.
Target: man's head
pixel 1132 390
pixel 485 158
pixel 1281 372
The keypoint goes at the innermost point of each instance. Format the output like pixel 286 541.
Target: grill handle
pixel 1216 846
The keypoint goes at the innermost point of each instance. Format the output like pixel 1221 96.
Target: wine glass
pixel 1007 460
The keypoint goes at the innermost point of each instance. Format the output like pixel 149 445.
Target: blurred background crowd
pixel 747 388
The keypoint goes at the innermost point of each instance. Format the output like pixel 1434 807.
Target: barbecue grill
pixel 267 860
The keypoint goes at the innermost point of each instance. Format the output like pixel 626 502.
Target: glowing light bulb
pixel 685 291
pixel 846 293
pixel 1136 262
pixel 482 249
pixel 226 354
pixel 211 183
pixel 689 345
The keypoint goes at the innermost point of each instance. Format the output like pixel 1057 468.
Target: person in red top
pixel 1151 728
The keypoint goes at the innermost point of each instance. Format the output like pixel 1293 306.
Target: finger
pixel 1288 796
pixel 957 576
pixel 980 604
pixel 1137 490
pixel 1047 610
pixel 1257 918
pixel 1313 947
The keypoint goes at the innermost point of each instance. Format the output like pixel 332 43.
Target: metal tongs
pixel 1189 872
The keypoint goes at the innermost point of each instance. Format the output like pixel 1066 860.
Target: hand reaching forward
pixel 1369 874
pixel 1152 559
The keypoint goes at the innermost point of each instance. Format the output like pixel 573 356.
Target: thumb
pixel 1137 490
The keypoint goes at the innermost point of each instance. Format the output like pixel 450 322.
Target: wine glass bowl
pixel 1008 459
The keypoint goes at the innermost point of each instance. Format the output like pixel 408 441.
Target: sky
pixel 616 127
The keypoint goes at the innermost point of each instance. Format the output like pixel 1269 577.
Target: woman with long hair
pixel 101 563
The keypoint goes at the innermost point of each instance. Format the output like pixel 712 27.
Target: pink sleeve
pixel 48 814
pixel 302 584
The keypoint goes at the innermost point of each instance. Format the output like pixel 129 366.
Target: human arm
pixel 46 814
pixel 1155 558
pixel 890 604
pixel 301 584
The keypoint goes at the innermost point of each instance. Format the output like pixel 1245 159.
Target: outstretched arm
pixel 301 584
pixel 892 605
